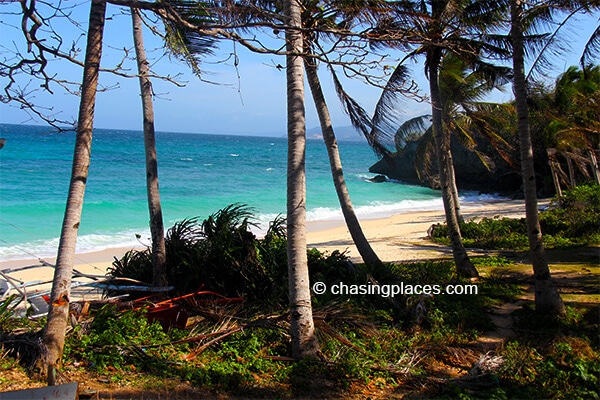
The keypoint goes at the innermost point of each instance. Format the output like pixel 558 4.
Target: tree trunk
pixel 54 333
pixel 547 298
pixel 304 341
pixel 464 266
pixel 572 181
pixel 554 171
pixel 594 164
pixel 362 244
pixel 157 229
pixel 454 190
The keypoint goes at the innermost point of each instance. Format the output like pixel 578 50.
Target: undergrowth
pixel 366 341
pixel 575 223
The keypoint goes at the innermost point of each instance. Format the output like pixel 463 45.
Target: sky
pixel 247 100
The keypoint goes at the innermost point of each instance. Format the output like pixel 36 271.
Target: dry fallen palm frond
pixel 26 347
pixel 338 312
pixel 327 329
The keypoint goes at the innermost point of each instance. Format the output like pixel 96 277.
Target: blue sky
pixel 253 104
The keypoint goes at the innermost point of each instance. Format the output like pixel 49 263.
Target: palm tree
pixel 547 298
pixel 435 28
pixel 54 333
pixel 464 116
pixel 464 265
pixel 358 237
pixel 315 21
pixel 575 127
pixel 189 43
pixel 304 341
pixel 157 229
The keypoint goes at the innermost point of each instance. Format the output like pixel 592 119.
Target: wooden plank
pixel 67 391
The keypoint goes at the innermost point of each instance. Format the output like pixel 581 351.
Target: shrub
pixel 220 254
pixel 575 223
pixel 567 369
pixel 578 216
pixel 109 336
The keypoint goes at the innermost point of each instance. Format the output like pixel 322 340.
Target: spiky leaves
pixel 186 44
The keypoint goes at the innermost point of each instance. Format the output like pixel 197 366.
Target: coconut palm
pixel 434 28
pixel 304 341
pixel 316 18
pixel 157 229
pixel 464 115
pixel 358 237
pixel 54 333
pixel 547 298
pixel 574 130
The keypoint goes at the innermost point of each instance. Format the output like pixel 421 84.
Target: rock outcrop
pixel 471 172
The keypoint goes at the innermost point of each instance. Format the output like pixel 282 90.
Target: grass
pixel 367 348
pixel 574 224
pixel 411 345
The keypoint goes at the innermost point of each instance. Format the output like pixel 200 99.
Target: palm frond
pixel 358 116
pixel 386 118
pixel 412 129
pixel 592 48
pixel 485 117
pixel 185 44
pixel 425 158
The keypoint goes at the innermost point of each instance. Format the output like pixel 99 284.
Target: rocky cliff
pixel 471 173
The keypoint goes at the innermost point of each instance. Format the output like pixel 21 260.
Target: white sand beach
pixel 396 238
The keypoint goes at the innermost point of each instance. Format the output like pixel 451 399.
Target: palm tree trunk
pixel 362 244
pixel 54 332
pixel 594 164
pixel 157 229
pixel 302 330
pixel 553 170
pixel 547 298
pixel 572 181
pixel 464 266
pixel 454 190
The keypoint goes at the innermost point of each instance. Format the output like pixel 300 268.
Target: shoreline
pixel 395 238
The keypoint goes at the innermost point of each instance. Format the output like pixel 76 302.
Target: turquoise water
pixel 198 173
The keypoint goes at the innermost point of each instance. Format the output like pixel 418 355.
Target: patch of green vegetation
pixel 368 341
pixel 115 339
pixel 573 224
pixel 566 369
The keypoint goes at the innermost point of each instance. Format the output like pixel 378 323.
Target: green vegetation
pixel 575 223
pixel 422 345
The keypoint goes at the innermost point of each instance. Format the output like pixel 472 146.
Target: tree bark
pixel 594 165
pixel 454 189
pixel 464 266
pixel 304 341
pixel 157 229
pixel 572 181
pixel 54 333
pixel 547 298
pixel 358 237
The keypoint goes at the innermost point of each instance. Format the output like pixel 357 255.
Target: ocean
pixel 198 173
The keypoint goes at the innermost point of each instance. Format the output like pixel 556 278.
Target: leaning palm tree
pixel 54 332
pixel 358 237
pixel 547 298
pixel 157 228
pixel 318 18
pixel 465 116
pixel 432 29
